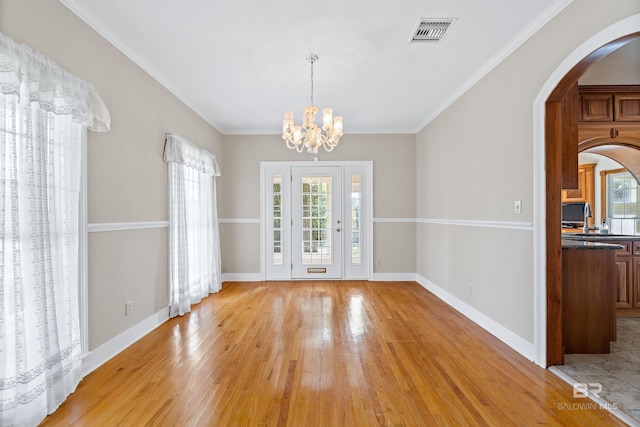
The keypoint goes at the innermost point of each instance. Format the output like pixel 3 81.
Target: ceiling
pixel 241 64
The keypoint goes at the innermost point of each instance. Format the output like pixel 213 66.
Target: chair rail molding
pixel 123 226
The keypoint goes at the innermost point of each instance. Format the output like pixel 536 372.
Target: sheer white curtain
pixel 44 112
pixel 194 243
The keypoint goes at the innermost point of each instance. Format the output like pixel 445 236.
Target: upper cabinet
pixel 626 107
pixel 592 116
pixel 608 115
pixel 596 107
pixel 585 191
pixel 609 103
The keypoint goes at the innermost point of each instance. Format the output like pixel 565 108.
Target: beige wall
pixel 476 159
pixel 127 178
pixel 394 177
pixel 620 67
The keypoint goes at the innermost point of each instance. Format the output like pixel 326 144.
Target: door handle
pixel 338 229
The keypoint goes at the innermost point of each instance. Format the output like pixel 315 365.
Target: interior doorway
pixel 548 251
pixel 316 220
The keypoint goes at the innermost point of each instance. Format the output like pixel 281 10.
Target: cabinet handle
pixel 613 133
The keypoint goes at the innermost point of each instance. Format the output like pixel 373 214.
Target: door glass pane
pixel 356 224
pixel 277 220
pixel 316 221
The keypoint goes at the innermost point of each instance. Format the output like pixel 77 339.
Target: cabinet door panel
pixel 596 107
pixel 578 194
pixel 626 247
pixel 627 107
pixel 624 294
pixel 636 282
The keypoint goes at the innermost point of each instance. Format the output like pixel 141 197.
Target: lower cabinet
pixel 625 297
pixel 628 274
pixel 588 308
pixel 636 280
pixel 627 282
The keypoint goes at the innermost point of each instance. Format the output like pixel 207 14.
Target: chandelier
pixel 309 135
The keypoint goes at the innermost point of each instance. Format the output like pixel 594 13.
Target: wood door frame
pixel 553 170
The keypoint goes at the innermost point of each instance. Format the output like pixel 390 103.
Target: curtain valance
pixel 179 150
pixel 27 73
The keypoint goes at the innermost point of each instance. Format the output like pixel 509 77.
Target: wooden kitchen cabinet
pixel 609 103
pixel 628 274
pixel 578 194
pixel 609 106
pixel 586 187
pixel 596 107
pixel 625 276
pixel 588 308
pixel 635 273
pixel 626 107
pixel 625 295
pixel 608 113
pixel 635 281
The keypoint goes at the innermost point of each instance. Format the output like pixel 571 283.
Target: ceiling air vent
pixel 431 30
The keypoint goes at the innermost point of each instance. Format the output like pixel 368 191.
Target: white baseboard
pixel 106 351
pixel 394 277
pixel 516 342
pixel 241 277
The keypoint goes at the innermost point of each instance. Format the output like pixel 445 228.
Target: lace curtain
pixel 44 112
pixel 194 243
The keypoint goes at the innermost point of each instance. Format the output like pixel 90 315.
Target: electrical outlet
pixel 470 289
pixel 128 308
pixel 517 206
pixel 378 262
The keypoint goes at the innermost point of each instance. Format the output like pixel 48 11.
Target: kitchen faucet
pixel 587 215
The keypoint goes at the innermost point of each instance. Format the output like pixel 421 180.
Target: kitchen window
pixel 623 203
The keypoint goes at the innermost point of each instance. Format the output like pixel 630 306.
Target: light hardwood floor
pixel 334 353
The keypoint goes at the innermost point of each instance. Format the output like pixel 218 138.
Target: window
pixel 356 222
pixel 623 205
pixel 43 124
pixel 277 220
pixel 194 244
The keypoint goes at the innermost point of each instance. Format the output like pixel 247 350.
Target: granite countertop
pixel 599 237
pixel 585 244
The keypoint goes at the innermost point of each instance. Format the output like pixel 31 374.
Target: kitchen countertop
pixel 587 244
pixel 599 237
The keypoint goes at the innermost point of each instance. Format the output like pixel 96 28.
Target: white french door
pixel 316 220
pixel 316 213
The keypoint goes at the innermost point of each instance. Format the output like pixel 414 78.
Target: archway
pixel 549 108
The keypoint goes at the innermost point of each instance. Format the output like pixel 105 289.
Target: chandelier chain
pixel 312 60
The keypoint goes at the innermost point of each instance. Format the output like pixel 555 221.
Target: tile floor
pixel 617 372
